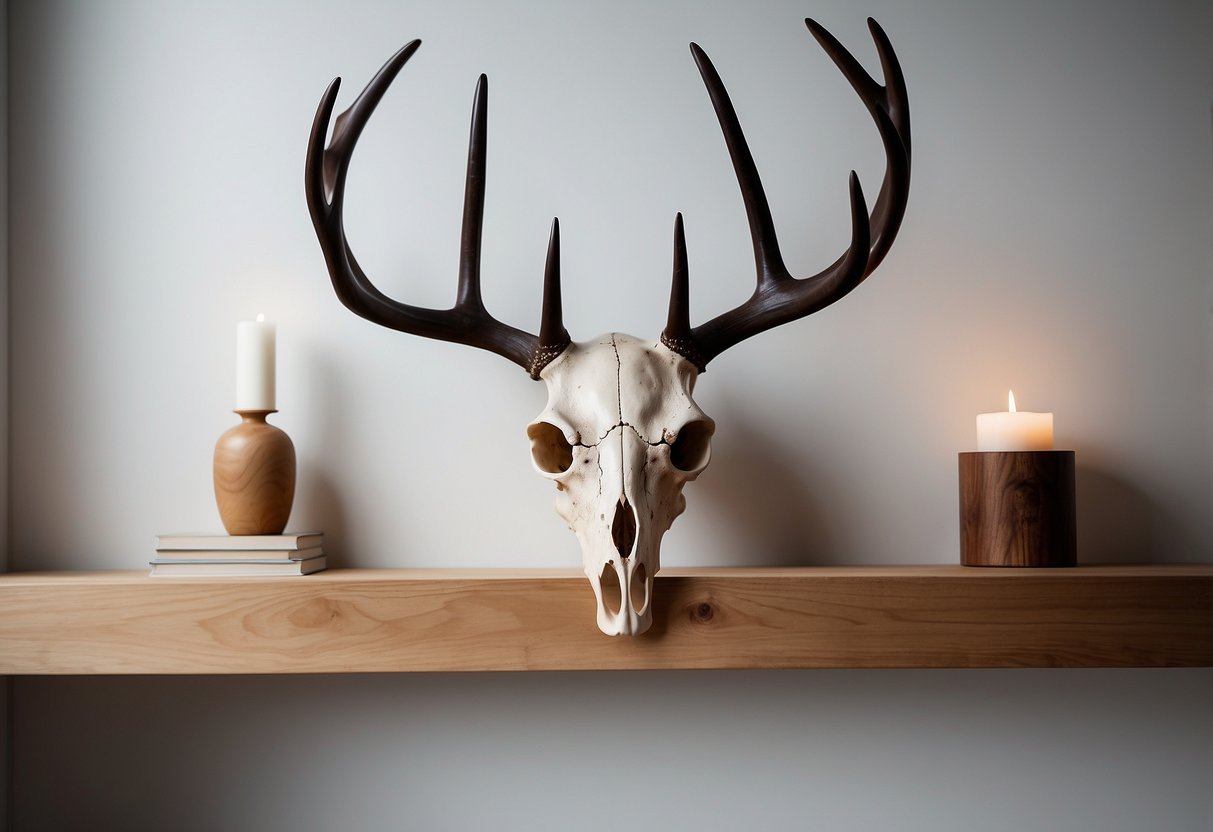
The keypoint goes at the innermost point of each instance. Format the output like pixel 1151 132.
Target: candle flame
pixel 1011 401
pixel 261 320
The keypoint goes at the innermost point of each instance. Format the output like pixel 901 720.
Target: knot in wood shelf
pixel 702 613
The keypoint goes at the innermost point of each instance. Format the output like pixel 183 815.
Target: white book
pixel 243 542
pixel 235 555
pixel 237 570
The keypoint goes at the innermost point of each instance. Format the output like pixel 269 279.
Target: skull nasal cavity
pixel 612 593
pixel 623 528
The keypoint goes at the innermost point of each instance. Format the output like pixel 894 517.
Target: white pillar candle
pixel 1014 430
pixel 255 365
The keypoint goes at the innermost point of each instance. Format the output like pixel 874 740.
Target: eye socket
pixel 551 451
pixel 692 449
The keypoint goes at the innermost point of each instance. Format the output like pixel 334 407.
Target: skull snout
pixel 624 583
pixel 624 588
pixel 618 550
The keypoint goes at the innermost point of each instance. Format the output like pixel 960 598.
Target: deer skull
pixel 620 435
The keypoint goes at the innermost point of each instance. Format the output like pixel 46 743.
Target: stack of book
pixel 224 555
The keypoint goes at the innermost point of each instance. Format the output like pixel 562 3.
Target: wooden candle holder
pixel 254 476
pixel 1017 508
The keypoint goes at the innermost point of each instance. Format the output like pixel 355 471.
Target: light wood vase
pixel 1017 508
pixel 254 476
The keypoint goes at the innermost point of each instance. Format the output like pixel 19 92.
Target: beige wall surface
pixel 1059 241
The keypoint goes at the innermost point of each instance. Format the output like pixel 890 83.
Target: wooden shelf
pixel 372 620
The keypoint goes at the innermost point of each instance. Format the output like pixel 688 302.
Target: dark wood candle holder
pixel 1017 508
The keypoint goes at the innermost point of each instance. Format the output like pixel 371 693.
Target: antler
pixel 468 322
pixel 779 297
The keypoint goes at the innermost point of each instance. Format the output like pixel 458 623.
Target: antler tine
pixel 779 297
pixel 318 195
pixel 678 323
pixel 467 322
pixel 333 163
pixel 472 230
pixel 677 333
pixel 895 83
pixel 889 108
pixel 553 337
pixel 767 257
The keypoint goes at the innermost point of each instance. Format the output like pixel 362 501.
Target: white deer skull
pixel 620 435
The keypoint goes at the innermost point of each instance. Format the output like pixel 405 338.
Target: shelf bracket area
pixel 391 620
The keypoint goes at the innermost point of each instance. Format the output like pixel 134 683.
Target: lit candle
pixel 255 365
pixel 1014 430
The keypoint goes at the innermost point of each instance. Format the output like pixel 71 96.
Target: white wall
pixel 1058 241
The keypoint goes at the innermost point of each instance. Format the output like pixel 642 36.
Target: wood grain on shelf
pixel 384 620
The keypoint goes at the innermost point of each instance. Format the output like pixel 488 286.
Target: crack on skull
pixel 644 465
pixel 618 380
pixel 622 424
pixel 601 475
pixel 623 468
pixel 602 438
